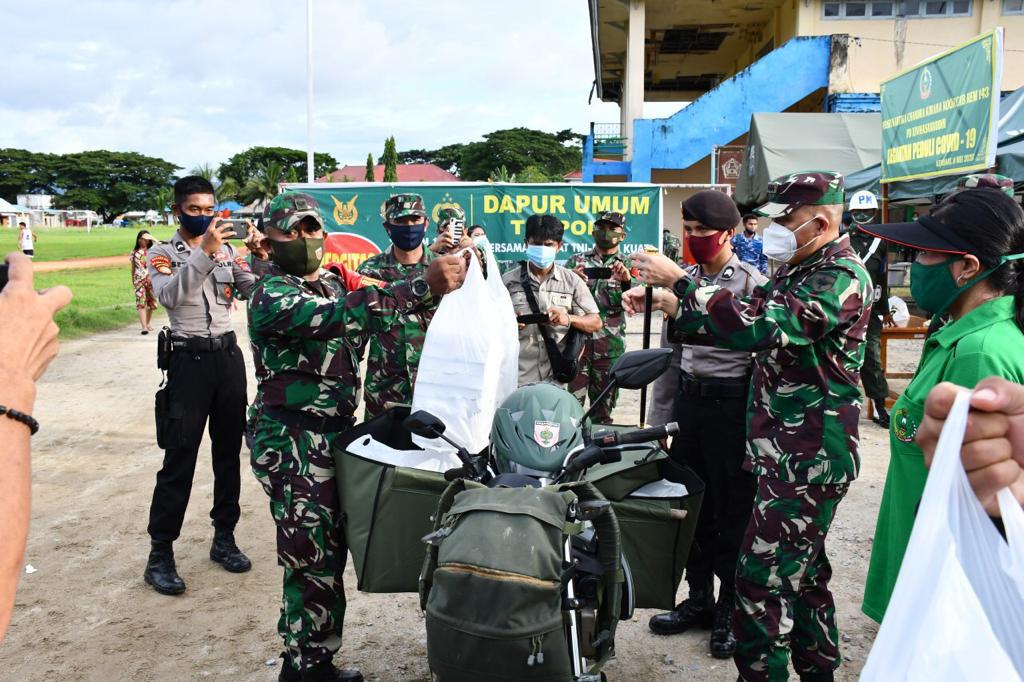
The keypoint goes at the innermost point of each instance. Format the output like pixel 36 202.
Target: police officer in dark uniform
pixel 711 409
pixel 875 254
pixel 196 276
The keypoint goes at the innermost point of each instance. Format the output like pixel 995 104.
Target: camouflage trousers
pixel 783 602
pixel 594 374
pixel 386 385
pixel 296 470
pixel 872 374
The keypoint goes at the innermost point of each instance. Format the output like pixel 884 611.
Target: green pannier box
pixel 656 501
pixel 386 508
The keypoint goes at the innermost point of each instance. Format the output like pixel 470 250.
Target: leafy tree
pixel 518 148
pixel 448 157
pixel 263 185
pixel 25 172
pixel 369 177
pixel 535 174
pixel 292 175
pixel 163 198
pixel 109 183
pixel 244 166
pixel 390 160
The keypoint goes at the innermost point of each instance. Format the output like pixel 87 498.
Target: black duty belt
pixel 713 388
pixel 309 422
pixel 203 344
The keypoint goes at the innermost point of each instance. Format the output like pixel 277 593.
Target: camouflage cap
pixel 806 188
pixel 402 205
pixel 614 218
pixel 287 210
pixel 992 180
pixel 447 215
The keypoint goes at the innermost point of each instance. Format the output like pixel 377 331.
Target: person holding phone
pixel 606 272
pixel 196 276
pixel 560 295
pixel 451 227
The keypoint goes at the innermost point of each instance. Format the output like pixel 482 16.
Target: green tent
pixel 785 143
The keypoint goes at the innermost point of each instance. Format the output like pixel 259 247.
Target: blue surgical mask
pixel 407 237
pixel 541 256
pixel 195 224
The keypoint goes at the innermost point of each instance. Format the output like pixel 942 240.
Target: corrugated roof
pixel 407 172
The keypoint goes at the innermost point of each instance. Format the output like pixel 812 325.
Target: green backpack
pixel 493 580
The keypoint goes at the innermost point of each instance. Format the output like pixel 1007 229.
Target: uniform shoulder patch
pixel 822 281
pixel 727 273
pixel 242 264
pixel 180 247
pixel 161 264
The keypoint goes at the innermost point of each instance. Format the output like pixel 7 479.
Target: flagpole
pixel 309 91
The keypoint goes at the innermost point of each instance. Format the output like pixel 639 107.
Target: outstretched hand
pixel 634 301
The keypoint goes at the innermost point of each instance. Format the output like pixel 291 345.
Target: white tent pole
pixel 309 91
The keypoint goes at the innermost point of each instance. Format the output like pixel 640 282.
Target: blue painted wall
pixel 773 83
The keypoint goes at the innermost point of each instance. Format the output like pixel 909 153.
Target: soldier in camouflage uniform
pixel 604 346
pixel 447 219
pixel 671 245
pixel 394 353
pixel 305 327
pixel 993 180
pixel 807 327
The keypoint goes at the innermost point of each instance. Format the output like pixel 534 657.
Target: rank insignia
pixel 161 264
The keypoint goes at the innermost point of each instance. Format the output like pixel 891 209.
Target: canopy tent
pixel 1009 160
pixel 788 142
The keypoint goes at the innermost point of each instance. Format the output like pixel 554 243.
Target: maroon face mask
pixel 704 249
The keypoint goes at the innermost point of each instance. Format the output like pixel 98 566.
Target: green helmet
pixel 536 427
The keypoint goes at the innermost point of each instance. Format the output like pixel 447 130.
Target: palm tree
pixel 263 185
pixel 204 170
pixel 228 189
pixel 163 197
pixel 501 174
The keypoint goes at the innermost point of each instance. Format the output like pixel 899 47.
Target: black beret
pixel 712 209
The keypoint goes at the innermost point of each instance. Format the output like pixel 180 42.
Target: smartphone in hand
pixel 598 273
pixel 533 318
pixel 237 229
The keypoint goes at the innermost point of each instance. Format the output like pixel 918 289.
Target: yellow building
pixel 724 60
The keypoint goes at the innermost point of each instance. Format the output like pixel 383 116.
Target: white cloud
pixel 195 82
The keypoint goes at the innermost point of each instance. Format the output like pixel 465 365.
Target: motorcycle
pixel 397 497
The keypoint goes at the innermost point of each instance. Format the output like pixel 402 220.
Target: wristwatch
pixel 420 288
pixel 681 287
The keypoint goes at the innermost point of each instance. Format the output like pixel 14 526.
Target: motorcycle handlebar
pixel 653 433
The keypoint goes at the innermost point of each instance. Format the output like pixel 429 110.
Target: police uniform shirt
pixel 196 289
pixel 710 362
pixel 562 289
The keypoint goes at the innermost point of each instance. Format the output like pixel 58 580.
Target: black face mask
pixel 195 224
pixel 299 257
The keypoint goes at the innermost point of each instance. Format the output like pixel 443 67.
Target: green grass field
pixel 103 299
pixel 61 243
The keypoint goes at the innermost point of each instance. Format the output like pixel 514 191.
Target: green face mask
pixel 934 288
pixel 300 256
pixel 606 239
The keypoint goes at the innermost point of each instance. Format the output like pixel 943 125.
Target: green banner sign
pixel 940 117
pixel 352 213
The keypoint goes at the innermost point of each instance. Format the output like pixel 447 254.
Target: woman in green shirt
pixel 971 265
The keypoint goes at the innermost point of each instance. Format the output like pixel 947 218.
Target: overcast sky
pixel 194 81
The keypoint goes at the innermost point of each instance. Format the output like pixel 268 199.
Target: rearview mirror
pixel 638 368
pixel 424 424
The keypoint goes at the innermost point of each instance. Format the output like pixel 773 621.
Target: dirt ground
pixel 84 613
pixel 79 263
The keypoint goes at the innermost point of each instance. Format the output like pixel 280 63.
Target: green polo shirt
pixel 985 342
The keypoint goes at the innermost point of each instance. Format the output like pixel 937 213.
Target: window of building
pixel 876 9
pixel 1013 6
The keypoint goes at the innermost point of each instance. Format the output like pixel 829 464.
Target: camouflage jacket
pixel 608 295
pixel 305 342
pixel 395 351
pixel 807 327
pixel 672 247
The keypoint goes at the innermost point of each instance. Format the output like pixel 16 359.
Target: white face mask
pixel 780 243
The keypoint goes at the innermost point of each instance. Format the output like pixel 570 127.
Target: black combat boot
pixel 326 672
pixel 881 415
pixel 723 642
pixel 827 676
pixel 226 553
pixel 161 572
pixel 698 611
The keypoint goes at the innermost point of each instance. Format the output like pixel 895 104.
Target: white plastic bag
pixel 957 611
pixel 470 358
